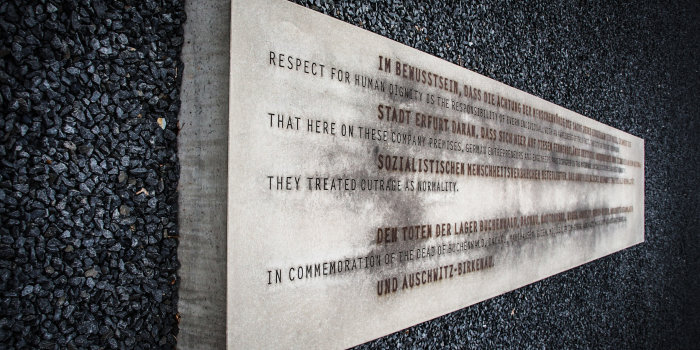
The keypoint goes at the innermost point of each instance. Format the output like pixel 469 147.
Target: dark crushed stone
pixel 82 84
pixel 630 65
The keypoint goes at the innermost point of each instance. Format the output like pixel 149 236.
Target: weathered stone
pixel 376 186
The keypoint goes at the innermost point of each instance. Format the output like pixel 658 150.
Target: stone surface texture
pixel 88 173
pixel 632 66
pixel 302 230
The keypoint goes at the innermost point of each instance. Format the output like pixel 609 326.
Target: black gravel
pixel 630 65
pixel 88 177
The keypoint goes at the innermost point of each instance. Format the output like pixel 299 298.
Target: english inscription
pixel 373 186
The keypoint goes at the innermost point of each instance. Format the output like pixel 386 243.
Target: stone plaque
pixel 372 186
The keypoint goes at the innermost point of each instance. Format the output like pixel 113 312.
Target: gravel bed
pixel 89 96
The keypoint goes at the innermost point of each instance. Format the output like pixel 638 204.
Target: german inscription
pixel 373 186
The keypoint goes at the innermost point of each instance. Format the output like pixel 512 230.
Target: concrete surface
pixel 202 151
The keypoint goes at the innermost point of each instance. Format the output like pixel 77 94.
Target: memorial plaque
pixel 372 186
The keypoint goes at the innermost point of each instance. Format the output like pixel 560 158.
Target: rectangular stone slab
pixel 372 186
